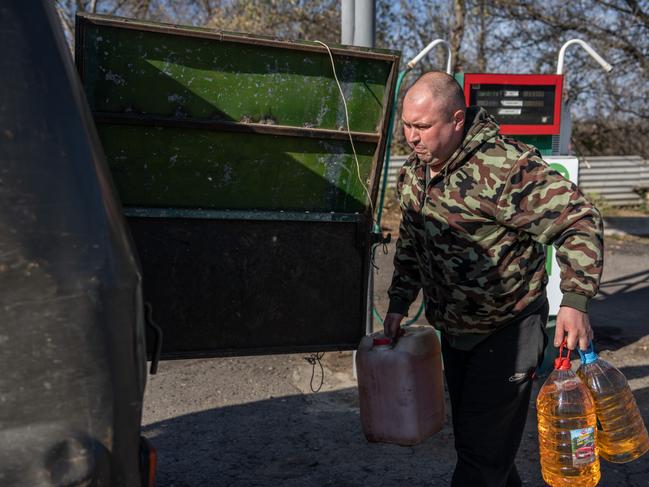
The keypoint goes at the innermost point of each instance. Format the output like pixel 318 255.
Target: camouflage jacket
pixel 473 239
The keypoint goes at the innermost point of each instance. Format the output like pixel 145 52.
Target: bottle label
pixel 583 446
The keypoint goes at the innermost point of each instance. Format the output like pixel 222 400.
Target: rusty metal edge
pixel 79 44
pixel 206 214
pixel 191 31
pixel 383 129
pixel 375 178
pixel 227 126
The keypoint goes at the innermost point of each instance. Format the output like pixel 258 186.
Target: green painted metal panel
pixel 459 77
pixel 277 136
pixel 151 72
pixel 187 168
pixel 542 142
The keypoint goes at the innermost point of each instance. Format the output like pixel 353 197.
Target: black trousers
pixel 489 387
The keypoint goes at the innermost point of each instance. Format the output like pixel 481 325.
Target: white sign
pixel 512 103
pixel 509 111
pixel 568 167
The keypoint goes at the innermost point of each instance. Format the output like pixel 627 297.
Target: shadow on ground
pixel 316 440
pixel 620 313
pixel 296 440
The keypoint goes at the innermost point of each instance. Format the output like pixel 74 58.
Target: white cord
pixel 351 140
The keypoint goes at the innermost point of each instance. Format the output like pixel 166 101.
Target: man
pixel 477 210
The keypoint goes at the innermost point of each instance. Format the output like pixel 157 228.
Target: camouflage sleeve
pixel 406 281
pixel 539 201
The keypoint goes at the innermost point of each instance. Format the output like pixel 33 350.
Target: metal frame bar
pixel 383 131
pixel 79 44
pixel 121 22
pixel 227 126
pixel 142 212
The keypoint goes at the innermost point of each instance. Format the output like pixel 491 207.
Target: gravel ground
pixel 253 421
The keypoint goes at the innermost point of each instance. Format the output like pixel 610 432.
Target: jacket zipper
pixel 423 206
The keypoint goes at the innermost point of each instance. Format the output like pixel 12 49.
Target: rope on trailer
pixel 313 359
pixel 349 132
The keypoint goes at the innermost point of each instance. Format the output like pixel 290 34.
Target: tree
pixel 529 36
pixel 289 19
pixel 411 25
pixel 188 12
pixel 524 36
pixel 518 36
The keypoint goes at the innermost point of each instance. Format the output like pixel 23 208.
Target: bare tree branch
pixel 457 32
pixel 637 11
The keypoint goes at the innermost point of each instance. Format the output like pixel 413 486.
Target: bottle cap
pixel 562 363
pixel 589 356
pixel 381 341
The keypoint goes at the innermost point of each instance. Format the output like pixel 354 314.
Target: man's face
pixel 428 129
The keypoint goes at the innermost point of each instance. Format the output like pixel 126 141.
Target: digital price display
pixel 520 103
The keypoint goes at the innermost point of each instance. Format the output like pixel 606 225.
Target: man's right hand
pixel 391 324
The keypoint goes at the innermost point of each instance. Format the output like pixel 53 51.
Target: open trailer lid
pixel 232 159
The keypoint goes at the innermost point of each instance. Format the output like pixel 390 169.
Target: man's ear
pixel 459 118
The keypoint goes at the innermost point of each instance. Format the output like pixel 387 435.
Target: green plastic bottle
pixel 567 429
pixel 622 434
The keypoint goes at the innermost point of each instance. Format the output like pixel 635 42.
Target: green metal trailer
pixel 231 155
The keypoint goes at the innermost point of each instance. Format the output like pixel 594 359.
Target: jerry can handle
pixel 400 332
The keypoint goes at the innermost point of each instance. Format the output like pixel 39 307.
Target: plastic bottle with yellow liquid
pixel 622 434
pixel 567 429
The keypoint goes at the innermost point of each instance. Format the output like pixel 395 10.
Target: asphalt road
pixel 253 421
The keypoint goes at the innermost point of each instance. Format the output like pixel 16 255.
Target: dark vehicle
pixel 72 346
pixel 248 202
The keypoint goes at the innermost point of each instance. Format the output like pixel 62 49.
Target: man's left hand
pixel 576 324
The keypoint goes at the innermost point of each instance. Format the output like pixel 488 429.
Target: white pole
pixel 425 50
pixel 588 49
pixel 347 22
pixel 566 121
pixel 364 21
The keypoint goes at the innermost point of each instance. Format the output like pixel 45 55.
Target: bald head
pixel 433 118
pixel 440 88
